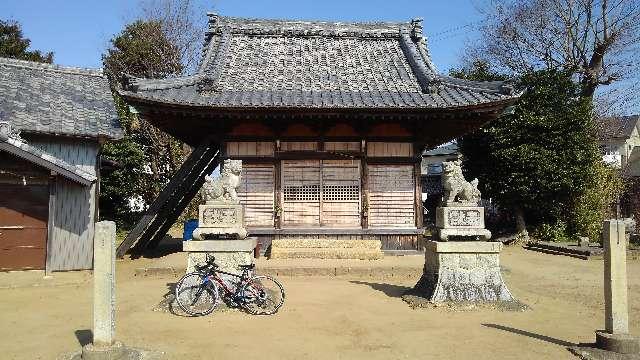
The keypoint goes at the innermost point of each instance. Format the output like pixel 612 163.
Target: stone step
pixel 325 243
pixel 325 253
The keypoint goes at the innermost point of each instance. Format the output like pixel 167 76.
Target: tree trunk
pixel 521 225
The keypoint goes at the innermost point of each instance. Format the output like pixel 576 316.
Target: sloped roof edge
pixel 21 149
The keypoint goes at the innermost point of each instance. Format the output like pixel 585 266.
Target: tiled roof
pixel 20 148
pixel 50 99
pixel 292 64
pixel 446 149
pixel 616 127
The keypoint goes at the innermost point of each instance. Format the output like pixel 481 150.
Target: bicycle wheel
pixel 262 295
pixel 196 294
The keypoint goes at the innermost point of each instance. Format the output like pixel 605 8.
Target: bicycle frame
pixel 214 276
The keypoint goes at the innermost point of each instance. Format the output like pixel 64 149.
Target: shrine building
pixel 330 120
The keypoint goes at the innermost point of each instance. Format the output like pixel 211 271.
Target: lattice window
pixel 302 193
pixel 341 193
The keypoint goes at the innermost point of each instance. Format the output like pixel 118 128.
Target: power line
pixel 454 29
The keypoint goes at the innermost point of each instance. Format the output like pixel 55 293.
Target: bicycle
pixel 198 293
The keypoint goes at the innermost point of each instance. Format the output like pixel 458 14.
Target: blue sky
pixel 78 31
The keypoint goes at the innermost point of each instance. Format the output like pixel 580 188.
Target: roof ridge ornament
pixel 416 28
pixel 6 130
pixel 429 81
pixel 210 80
pixel 214 18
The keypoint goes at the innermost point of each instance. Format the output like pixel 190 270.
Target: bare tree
pixel 183 22
pixel 597 40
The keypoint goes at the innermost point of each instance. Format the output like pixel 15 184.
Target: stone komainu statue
pixel 456 188
pixel 223 189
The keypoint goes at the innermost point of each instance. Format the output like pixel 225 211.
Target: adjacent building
pixel 618 137
pixel 53 122
pixel 431 170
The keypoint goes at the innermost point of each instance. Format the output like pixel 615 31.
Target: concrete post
pixel 615 278
pixel 104 346
pixel 616 335
pixel 104 297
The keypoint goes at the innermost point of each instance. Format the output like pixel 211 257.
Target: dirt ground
pixel 323 317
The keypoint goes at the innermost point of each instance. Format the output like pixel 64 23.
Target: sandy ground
pixel 323 317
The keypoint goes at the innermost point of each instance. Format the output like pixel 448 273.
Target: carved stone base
pixel 461 221
pixel 463 272
pixel 220 220
pixel 229 254
pixel 618 343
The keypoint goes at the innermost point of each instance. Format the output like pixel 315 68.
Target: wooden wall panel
pixel 298 146
pixel 391 196
pixel 256 193
pixel 249 148
pixel 342 146
pixel 389 149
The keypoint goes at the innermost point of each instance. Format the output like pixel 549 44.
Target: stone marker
pixel 616 336
pixel 104 345
pixel 104 292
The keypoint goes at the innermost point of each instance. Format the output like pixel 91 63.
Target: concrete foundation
pixel 462 272
pixel 229 254
pixel 326 249
pixel 618 343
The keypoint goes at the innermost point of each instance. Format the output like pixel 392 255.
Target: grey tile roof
pixel 446 149
pixel 50 99
pixel 616 127
pixel 20 148
pixel 292 64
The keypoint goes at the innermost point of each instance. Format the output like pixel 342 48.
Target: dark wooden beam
pixel 193 162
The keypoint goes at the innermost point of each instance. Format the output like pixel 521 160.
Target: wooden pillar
pixel 51 223
pixel 364 181
pixel 417 172
pixel 278 188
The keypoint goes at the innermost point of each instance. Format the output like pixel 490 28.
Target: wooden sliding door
pixel 301 192
pixel 321 193
pixel 340 204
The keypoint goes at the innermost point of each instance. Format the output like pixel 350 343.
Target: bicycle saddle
pixel 252 266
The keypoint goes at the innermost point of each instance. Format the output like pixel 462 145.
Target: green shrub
pixel 594 205
pixel 552 232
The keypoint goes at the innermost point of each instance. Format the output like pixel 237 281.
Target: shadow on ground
pixel 84 336
pixel 531 335
pixel 168 245
pixel 168 303
pixel 388 289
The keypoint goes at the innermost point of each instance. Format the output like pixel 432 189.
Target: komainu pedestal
pixel 217 221
pixel 462 272
pixel 461 221
pixel 229 254
pixel 221 216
